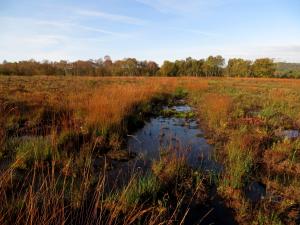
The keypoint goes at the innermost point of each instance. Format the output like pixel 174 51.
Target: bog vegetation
pixel 59 135
pixel 211 66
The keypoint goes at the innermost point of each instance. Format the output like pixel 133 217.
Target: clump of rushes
pixel 141 189
pixel 69 141
pixel 170 167
pixel 215 110
pixel 180 93
pixel 239 163
pixel 31 150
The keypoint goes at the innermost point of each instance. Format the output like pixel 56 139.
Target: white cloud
pixel 94 29
pixel 26 37
pixel 63 25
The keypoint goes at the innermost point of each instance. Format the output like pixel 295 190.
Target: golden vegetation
pixel 54 129
pixel 253 123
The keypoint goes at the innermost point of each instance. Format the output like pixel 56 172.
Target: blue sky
pixel 149 29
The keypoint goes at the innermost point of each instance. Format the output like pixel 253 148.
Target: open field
pixel 62 139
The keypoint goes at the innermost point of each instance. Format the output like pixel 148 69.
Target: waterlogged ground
pixel 75 128
pixel 178 134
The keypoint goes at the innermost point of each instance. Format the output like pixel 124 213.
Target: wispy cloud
pixel 53 39
pixel 81 27
pixel 103 31
pixel 185 6
pixel 110 16
pixel 58 24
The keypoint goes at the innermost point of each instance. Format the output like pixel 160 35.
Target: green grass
pixel 141 190
pixel 31 150
pixel 239 165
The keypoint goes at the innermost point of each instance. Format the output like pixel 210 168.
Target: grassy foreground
pixel 52 130
pixel 55 130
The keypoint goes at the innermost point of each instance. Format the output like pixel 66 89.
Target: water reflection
pixel 177 134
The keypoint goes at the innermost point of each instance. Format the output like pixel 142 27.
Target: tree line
pixel 211 66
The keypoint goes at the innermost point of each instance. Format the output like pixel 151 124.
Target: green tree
pixel 264 67
pixel 238 68
pixel 213 66
pixel 151 68
pixel 168 69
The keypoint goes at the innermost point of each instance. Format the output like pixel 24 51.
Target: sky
pixel 149 29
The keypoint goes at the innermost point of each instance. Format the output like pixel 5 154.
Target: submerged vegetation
pixel 63 148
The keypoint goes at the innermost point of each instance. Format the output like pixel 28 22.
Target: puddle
pixel 182 135
pixel 287 133
pixel 255 191
pixel 181 108
pixel 174 133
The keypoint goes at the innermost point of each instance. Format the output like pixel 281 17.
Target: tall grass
pixel 51 139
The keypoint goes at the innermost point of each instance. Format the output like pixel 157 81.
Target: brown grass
pixel 65 188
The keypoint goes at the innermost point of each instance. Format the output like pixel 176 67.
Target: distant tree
pixel 264 67
pixel 213 66
pixel 125 67
pixel 288 70
pixel 180 68
pixel 168 69
pixel 151 68
pixel 194 67
pixel 238 68
pixel 131 67
pixel 189 67
pixel 107 61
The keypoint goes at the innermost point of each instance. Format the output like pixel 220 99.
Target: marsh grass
pixel 242 116
pixel 32 150
pixel 50 178
pixel 52 128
